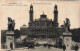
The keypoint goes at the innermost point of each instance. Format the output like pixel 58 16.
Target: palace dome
pixel 24 26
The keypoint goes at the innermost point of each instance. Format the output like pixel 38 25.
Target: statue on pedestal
pixel 11 24
pixel 10 34
pixel 67 35
pixel 67 25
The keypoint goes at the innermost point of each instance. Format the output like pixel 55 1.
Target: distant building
pixel 44 27
pixel 23 30
pixel 3 36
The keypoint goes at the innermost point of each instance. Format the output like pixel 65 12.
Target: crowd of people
pixel 76 47
pixel 32 45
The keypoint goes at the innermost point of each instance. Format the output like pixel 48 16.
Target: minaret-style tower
pixel 31 13
pixel 55 16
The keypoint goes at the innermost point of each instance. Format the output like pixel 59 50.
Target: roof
pixel 24 26
pixel 43 17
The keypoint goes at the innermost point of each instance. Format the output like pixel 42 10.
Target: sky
pixel 19 11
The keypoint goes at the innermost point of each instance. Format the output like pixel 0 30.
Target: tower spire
pixel 56 15
pixel 55 7
pixel 31 13
pixel 43 12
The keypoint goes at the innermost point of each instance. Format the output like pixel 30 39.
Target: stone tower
pixel 55 16
pixel 31 13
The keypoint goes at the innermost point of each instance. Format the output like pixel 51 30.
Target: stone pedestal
pixel 10 39
pixel 67 39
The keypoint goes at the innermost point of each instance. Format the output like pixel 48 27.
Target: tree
pixel 17 33
pixel 76 34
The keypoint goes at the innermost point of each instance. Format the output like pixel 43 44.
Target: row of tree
pixel 75 34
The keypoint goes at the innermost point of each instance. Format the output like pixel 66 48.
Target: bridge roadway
pixel 41 48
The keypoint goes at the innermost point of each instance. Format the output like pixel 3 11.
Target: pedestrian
pixel 11 45
pixel 28 46
pixel 76 47
pixel 48 45
pixel 64 47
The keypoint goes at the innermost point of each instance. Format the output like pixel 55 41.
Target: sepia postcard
pixel 40 25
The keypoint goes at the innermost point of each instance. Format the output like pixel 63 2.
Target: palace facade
pixel 44 27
